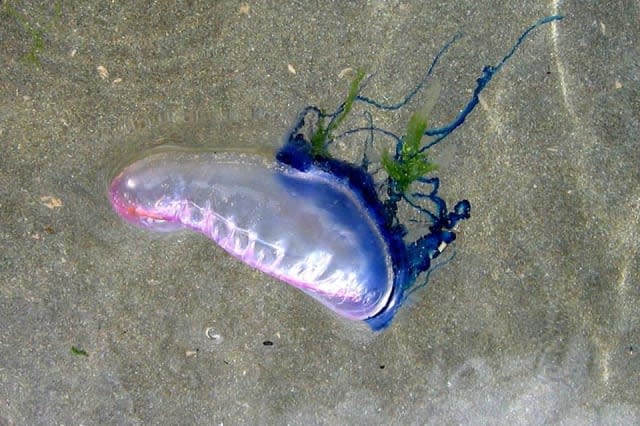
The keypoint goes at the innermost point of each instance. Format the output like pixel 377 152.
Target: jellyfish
pixel 324 225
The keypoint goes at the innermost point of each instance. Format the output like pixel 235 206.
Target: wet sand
pixel 535 320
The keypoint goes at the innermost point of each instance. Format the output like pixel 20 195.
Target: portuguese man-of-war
pixel 313 221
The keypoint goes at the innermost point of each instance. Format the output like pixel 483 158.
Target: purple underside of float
pixel 308 229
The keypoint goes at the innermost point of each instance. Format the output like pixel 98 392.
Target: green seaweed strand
pixel 410 164
pixel 37 35
pixel 324 134
pixel 77 351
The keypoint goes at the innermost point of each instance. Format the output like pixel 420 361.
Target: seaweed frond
pixel 410 161
pixel 37 35
pixel 323 134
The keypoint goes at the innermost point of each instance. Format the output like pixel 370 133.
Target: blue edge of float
pixel 409 260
